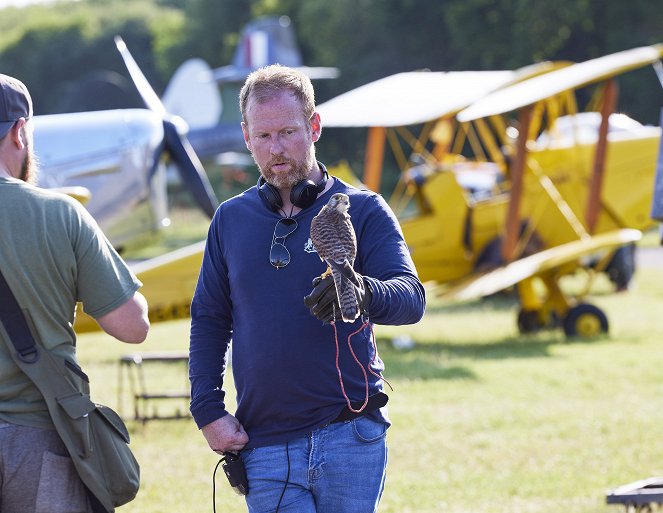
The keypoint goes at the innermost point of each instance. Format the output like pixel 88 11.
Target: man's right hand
pixel 225 435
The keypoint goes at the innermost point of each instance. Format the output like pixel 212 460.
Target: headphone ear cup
pixel 304 193
pixel 269 194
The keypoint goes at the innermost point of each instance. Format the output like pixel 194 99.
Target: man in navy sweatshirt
pixel 311 420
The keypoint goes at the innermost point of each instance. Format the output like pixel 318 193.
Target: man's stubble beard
pixel 298 171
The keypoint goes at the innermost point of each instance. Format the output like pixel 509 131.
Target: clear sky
pixel 21 3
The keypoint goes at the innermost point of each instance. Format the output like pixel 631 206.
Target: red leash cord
pixel 338 368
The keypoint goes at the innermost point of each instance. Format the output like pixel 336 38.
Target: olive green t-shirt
pixel 52 255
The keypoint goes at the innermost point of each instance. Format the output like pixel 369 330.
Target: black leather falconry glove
pixel 323 299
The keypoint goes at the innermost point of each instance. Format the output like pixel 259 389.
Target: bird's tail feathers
pixel 346 270
pixel 347 299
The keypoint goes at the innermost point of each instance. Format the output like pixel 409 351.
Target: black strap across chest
pixel 15 324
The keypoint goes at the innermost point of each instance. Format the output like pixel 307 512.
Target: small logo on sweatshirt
pixel 308 247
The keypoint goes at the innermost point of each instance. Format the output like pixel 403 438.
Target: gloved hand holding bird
pixel 339 293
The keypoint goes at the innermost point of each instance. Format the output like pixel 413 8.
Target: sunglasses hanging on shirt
pixel 279 256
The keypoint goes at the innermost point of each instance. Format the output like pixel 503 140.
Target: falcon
pixel 334 240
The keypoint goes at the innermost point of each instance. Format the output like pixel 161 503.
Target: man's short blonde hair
pixel 265 83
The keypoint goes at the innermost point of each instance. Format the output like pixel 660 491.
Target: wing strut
pixel 594 201
pixel 374 157
pixel 512 227
pixel 658 68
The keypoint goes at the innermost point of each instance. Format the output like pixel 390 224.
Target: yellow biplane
pixel 487 202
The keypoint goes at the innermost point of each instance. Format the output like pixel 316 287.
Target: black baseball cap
pixel 15 103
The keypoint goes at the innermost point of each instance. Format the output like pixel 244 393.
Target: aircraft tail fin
pixel 268 40
pixel 193 95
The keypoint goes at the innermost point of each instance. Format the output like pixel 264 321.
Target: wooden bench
pixel 132 367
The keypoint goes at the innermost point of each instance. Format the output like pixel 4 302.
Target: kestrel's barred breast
pixel 333 236
pixel 334 239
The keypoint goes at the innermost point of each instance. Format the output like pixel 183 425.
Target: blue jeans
pixel 339 468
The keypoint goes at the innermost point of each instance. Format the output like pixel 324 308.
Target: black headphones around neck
pixel 302 194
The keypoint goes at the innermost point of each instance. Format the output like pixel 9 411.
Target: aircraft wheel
pixel 621 267
pixel 585 320
pixel 528 321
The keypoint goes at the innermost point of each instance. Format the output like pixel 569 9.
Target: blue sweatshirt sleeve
pixel 383 258
pixel 211 331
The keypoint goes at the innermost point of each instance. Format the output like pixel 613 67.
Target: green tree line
pixel 52 46
pixel 63 50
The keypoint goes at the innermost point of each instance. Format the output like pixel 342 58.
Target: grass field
pixel 484 420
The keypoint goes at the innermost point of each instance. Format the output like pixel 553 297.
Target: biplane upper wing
pixel 410 98
pixel 532 90
pixel 488 283
pixel 415 97
pixel 168 284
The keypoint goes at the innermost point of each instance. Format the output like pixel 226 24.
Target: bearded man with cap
pixel 52 256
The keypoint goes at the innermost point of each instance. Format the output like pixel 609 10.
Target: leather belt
pixel 375 402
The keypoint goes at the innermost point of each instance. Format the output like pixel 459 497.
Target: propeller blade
pixel 191 170
pixel 175 141
pixel 145 90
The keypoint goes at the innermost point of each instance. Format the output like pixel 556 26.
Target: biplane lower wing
pixel 545 261
pixel 168 280
pixel 80 194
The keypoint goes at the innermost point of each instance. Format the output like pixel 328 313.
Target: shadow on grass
pixel 443 360
pixel 439 360
pixel 506 300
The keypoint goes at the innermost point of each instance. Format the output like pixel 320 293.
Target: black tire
pixel 586 321
pixel 528 321
pixel 621 267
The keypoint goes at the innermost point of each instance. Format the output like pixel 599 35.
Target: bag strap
pixel 28 352
pixel 16 325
